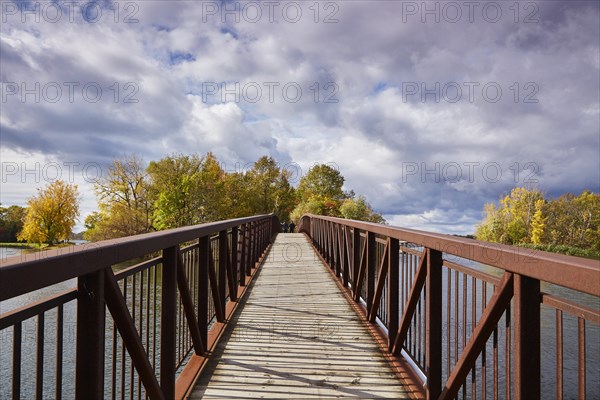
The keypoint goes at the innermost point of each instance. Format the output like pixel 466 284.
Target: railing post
pixel 393 290
pixel 203 265
pixel 336 248
pixel 345 256
pixel 243 252
pixel 89 375
pixel 355 257
pixel 371 269
pixel 234 260
pixel 433 340
pixel 168 322
pixel 249 251
pixel 222 273
pixel 527 338
pixel 327 241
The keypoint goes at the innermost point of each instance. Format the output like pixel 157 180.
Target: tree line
pixel 181 190
pixel 568 224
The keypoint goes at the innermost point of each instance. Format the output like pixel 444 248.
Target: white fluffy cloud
pixel 407 107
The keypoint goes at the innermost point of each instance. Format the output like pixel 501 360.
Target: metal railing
pixel 472 319
pixel 165 313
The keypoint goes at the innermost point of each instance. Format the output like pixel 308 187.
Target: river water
pixel 30 334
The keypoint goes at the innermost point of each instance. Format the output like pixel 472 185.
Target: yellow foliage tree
pixel 538 223
pixel 51 215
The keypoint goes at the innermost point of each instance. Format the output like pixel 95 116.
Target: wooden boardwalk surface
pixel 296 336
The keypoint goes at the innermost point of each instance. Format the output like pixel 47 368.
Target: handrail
pixel 53 266
pixel 576 273
pixel 168 312
pixel 453 321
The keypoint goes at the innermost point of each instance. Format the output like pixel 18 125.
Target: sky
pixel 429 109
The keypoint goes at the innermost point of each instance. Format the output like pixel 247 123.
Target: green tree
pixel 174 187
pixel 11 222
pixel 51 215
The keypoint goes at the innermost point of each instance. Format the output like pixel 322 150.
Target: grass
pixel 18 245
pixel 34 246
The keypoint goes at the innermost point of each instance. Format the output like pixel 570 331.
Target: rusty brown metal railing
pixel 165 314
pixel 465 314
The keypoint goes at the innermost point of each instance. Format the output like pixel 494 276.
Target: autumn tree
pixel 510 222
pixel 359 209
pixel 538 223
pixel 574 220
pixel 270 189
pixel 51 215
pixel 321 192
pixel 321 189
pixel 525 216
pixel 124 201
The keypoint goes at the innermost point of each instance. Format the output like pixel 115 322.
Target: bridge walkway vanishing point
pixel 296 336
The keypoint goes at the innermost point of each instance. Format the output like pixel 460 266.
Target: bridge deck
pixel 296 336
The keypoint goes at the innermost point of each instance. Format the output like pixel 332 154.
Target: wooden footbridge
pixel 234 309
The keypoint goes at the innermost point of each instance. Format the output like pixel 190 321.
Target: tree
pixel 174 186
pixel 270 190
pixel 525 216
pixel 510 222
pixel 538 223
pixel 359 209
pixel 11 222
pixel 321 192
pixel 124 200
pixel 322 181
pixel 51 215
pixel 574 220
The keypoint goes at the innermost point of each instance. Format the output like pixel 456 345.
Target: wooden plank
pixel 315 346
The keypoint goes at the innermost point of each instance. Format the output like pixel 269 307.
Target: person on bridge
pixel 292 227
pixel 285 227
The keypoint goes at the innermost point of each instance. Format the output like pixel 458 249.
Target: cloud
pixel 429 114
